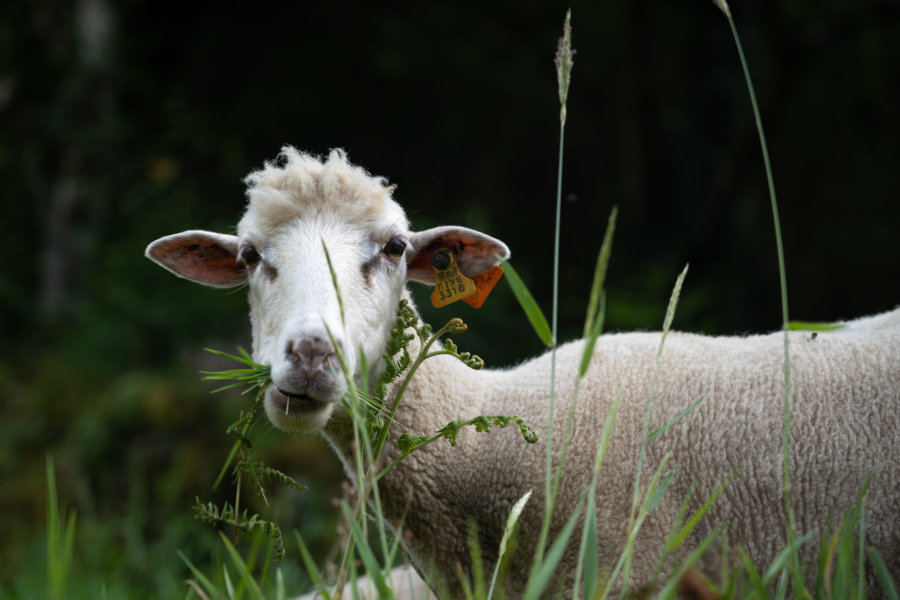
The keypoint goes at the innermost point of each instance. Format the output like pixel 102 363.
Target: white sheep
pixel 845 421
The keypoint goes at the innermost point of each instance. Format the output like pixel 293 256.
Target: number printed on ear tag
pixel 450 284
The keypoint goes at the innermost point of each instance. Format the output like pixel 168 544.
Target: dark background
pixel 124 121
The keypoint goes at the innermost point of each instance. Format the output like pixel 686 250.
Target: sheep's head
pixel 298 208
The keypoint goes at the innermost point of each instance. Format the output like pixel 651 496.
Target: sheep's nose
pixel 313 356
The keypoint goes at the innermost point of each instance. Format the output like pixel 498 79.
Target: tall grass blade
pixel 208 586
pixel 861 559
pixel 529 305
pixel 635 516
pixel 228 461
pixel 514 513
pixel 671 587
pixel 688 527
pixel 248 581
pixel 60 539
pixel 477 561
pixel 589 553
pixel 815 326
pixel 564 65
pixel 541 576
pixel 782 275
pixel 600 272
pixel 753 575
pixel 593 322
pixel 781 589
pixel 334 281
pixel 657 432
pixel 373 569
pixel 781 561
pixel 591 338
pixel 607 431
pixel 658 493
pixel 280 589
pixel 670 308
pixel 640 510
pixel 883 575
pixel 310 564
pixel 229 586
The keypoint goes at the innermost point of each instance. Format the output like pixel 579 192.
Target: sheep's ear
pixel 201 256
pixel 475 252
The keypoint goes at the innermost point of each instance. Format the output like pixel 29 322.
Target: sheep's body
pixel 845 424
pixel 845 418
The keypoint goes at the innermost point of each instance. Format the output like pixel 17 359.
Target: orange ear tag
pixel 450 284
pixel 484 283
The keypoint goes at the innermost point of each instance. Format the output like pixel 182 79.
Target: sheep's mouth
pixel 294 404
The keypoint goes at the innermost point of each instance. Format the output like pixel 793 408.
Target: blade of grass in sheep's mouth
pixel 294 403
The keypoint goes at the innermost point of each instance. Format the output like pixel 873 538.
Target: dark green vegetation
pixel 107 142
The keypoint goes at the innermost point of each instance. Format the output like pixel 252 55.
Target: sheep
pixel 845 392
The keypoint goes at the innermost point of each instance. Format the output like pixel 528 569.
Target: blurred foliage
pixel 121 121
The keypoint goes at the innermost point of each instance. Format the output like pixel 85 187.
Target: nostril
pixel 290 352
pixel 313 354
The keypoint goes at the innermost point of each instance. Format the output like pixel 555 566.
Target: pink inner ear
pixel 202 257
pixel 475 252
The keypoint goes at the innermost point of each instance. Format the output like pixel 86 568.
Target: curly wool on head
pixel 301 185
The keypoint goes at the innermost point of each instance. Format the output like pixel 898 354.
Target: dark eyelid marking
pixel 270 271
pixel 367 269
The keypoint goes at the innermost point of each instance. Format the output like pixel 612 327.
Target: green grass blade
pixel 599 455
pixel 861 559
pixel 373 569
pixel 673 303
pixel 229 586
pixel 753 575
pixel 477 561
pixel 814 326
pixel 607 431
pixel 788 553
pixel 600 272
pixel 883 575
pixel 540 578
pixel 591 338
pixel 514 513
pixel 59 542
pixel 659 492
pixel 593 322
pixel 529 305
pixel 334 282
pixel 781 589
pixel 657 432
pixel 310 564
pixel 688 527
pixel 671 587
pixel 782 276
pixel 589 552
pixel 208 586
pixel 247 578
pixel 228 461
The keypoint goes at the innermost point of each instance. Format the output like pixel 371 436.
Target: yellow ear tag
pixel 450 284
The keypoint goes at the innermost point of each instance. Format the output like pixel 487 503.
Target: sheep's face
pixel 299 325
pixel 301 216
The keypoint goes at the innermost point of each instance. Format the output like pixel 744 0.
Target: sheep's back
pixel 845 426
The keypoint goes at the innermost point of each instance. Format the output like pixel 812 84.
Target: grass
pixel 247 565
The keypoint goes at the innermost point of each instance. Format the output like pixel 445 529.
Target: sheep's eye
pixel 250 256
pixel 395 247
